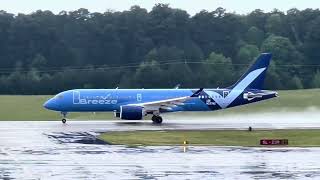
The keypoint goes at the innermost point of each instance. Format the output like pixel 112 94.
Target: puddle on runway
pixel 81 162
pixel 75 137
pixel 79 155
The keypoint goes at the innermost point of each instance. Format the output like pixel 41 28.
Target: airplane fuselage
pixel 100 100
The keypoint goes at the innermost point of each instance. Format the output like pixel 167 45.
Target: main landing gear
pixel 64 119
pixel 156 119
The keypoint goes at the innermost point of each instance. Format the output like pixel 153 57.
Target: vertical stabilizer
pixel 255 75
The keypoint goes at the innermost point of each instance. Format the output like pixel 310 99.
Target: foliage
pixel 316 80
pixel 44 53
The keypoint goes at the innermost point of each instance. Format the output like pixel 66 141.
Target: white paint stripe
pixel 237 90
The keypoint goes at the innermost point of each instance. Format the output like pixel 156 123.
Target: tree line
pixel 44 53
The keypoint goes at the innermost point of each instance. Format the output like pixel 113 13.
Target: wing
pixel 166 104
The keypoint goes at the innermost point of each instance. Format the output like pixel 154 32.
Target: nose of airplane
pixel 50 104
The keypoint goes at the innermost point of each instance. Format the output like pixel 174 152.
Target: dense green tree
pixel 273 79
pixel 246 54
pixel 312 41
pixel 316 80
pixel 38 61
pixel 44 53
pixel 281 48
pixel 254 36
pixel 217 71
pixel 275 24
pixel 284 55
pixel 148 75
pixel 295 83
pixel 257 18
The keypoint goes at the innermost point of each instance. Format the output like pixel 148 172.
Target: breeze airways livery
pixel 134 104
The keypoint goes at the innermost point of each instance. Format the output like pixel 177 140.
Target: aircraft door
pixel 76 97
pixel 139 97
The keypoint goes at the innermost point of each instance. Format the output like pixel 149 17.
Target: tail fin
pixel 254 77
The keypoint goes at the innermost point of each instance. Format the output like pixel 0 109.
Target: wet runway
pixel 51 150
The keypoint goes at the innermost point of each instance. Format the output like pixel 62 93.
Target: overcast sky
pixel 192 6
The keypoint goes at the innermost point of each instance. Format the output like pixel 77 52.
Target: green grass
pixel 30 107
pixel 21 108
pixel 297 138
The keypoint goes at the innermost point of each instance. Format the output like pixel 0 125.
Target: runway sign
pixel 267 142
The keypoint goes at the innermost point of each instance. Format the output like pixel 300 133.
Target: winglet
pixel 197 93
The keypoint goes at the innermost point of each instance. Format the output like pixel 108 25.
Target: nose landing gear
pixel 64 119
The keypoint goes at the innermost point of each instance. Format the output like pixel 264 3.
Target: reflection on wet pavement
pixel 52 151
pixel 75 137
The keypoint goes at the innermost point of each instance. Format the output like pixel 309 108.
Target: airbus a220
pixel 135 104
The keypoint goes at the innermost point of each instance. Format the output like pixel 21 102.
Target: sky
pixel 192 6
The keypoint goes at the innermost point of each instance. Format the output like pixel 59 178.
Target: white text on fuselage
pixel 102 100
pixel 210 103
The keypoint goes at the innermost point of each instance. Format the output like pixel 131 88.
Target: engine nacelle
pixel 250 96
pixel 131 112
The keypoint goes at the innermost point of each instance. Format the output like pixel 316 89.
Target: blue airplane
pixel 134 104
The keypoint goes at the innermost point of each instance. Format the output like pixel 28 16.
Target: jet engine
pixel 131 112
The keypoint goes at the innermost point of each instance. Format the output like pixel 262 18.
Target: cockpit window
pixel 59 96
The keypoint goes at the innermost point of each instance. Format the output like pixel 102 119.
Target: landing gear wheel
pixel 64 120
pixel 157 119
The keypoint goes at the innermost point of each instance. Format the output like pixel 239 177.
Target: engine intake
pixel 131 112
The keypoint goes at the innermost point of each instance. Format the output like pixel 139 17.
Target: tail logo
pixel 224 102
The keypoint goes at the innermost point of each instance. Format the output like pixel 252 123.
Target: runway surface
pixel 51 150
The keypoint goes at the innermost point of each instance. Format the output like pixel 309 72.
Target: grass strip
pixel 297 138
